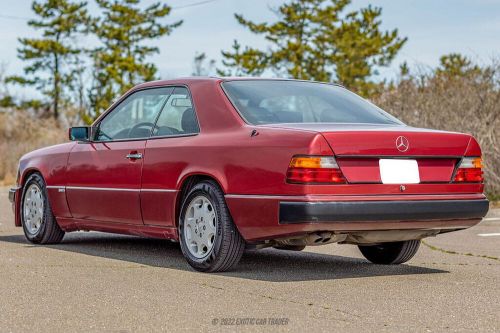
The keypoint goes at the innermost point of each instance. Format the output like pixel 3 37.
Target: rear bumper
pixel 374 211
pixel 266 217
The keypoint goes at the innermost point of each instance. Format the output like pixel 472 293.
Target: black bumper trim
pixel 12 195
pixel 368 211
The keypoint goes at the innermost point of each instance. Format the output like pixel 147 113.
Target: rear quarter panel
pixel 240 163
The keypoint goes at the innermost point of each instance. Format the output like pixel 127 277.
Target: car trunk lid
pixel 359 152
pixel 383 141
pixel 358 149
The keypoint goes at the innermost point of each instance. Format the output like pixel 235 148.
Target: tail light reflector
pixel 470 170
pixel 314 169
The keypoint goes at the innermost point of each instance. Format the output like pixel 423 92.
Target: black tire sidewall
pixel 207 190
pixel 390 253
pixel 47 213
pixel 383 254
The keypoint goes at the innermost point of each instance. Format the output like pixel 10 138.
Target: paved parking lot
pixel 102 282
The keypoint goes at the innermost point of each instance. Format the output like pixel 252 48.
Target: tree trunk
pixel 56 86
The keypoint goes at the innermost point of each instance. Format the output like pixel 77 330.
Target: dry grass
pixel 21 133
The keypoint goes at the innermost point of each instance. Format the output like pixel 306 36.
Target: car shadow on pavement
pixel 264 265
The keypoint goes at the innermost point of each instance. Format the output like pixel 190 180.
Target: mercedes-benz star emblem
pixel 402 144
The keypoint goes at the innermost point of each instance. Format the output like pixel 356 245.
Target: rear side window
pixel 280 101
pixel 178 116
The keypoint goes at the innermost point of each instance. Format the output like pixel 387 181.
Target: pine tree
pixel 120 61
pixel 52 57
pixel 6 99
pixel 312 40
pixel 456 65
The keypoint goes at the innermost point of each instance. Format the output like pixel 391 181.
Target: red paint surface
pixel 366 170
pixel 242 165
pixel 104 165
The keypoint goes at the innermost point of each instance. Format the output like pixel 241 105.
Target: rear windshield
pixel 275 101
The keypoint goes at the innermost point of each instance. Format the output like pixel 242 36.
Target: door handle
pixel 134 156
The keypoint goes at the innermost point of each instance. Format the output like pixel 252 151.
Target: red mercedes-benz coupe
pixel 220 164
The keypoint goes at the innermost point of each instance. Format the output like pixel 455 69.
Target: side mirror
pixel 81 133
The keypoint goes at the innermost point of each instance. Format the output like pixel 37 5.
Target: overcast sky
pixel 433 28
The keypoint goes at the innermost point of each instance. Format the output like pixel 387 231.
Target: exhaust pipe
pixel 317 238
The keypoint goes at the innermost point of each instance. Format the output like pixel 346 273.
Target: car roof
pixel 194 79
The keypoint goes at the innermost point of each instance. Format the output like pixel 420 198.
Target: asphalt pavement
pixel 95 282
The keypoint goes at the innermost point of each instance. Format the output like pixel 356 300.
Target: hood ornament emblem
pixel 402 144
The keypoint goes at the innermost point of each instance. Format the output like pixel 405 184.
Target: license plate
pixel 393 171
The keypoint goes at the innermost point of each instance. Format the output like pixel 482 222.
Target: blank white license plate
pixel 394 171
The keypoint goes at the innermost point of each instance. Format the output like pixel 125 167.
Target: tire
pixel 209 240
pixel 35 211
pixel 290 247
pixel 390 253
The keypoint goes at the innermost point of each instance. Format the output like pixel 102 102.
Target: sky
pixel 433 28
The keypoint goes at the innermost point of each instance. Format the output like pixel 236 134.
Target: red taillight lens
pixel 314 169
pixel 470 171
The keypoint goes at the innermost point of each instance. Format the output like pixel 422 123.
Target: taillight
pixel 314 169
pixel 470 170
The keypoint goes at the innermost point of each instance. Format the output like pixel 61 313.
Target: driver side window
pixel 134 117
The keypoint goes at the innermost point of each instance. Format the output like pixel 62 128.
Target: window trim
pixel 97 122
pixel 173 136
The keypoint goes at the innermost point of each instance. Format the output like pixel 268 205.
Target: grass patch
pixel 468 254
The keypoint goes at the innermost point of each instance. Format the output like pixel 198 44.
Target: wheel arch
pixel 184 186
pixel 25 175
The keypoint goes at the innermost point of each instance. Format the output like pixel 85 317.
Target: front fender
pixel 50 163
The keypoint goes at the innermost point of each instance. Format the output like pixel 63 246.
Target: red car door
pixel 104 176
pixel 167 153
